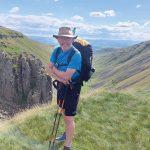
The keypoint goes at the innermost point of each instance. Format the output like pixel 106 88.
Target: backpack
pixel 87 56
pixel 86 51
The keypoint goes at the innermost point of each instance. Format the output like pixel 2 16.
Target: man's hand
pixel 64 75
pixel 50 69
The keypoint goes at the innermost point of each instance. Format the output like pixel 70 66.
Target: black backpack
pixel 87 56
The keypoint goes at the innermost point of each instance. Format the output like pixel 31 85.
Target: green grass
pixel 20 44
pixel 116 121
pixel 6 31
pixel 16 46
pixel 105 121
pixel 12 50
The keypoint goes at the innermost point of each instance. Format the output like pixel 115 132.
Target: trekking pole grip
pixel 55 84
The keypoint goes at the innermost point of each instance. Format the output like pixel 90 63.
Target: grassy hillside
pixel 15 43
pixel 115 68
pixel 104 121
pixel 124 68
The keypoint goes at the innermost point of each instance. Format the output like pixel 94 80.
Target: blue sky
pixel 100 19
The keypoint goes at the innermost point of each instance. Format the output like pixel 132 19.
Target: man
pixel 67 72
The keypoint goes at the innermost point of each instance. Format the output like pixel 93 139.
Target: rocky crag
pixel 23 83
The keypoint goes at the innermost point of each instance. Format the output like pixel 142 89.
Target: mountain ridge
pixel 119 65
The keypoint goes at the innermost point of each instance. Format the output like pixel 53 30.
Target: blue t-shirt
pixel 75 62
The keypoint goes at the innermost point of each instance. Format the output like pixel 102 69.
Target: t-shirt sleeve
pixel 75 62
pixel 53 56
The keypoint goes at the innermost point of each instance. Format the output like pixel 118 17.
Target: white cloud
pixel 127 24
pixel 14 10
pixel 56 0
pixel 130 30
pixel 97 14
pixel 132 35
pixel 110 13
pixel 77 18
pixel 45 25
pixel 138 6
pixel 107 13
pixel 31 24
pixel 147 23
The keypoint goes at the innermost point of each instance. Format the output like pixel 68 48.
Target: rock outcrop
pixel 23 81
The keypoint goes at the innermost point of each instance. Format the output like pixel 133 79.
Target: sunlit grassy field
pixel 105 121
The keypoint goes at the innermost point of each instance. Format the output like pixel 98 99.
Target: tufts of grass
pixel 113 121
pixel 104 121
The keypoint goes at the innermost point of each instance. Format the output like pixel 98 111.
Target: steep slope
pixel 23 81
pixel 124 68
pixel 15 43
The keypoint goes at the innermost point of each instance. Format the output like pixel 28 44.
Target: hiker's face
pixel 65 42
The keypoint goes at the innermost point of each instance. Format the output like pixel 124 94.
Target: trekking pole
pixel 55 128
pixel 58 115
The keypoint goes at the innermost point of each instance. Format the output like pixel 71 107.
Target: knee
pixel 69 120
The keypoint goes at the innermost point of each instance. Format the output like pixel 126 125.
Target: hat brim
pixel 70 36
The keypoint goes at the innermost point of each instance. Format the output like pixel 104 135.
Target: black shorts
pixel 71 96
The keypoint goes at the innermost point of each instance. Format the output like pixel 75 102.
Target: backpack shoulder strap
pixel 70 55
pixel 57 53
pixel 68 59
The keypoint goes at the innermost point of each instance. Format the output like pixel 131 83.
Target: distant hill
pixel 14 43
pixel 97 44
pixel 124 68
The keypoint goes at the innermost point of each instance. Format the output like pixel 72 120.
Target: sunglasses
pixel 64 38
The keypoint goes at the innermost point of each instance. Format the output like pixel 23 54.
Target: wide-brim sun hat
pixel 65 32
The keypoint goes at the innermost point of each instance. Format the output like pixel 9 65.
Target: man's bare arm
pixel 64 75
pixel 49 70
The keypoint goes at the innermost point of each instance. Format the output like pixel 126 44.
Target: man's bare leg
pixel 70 127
